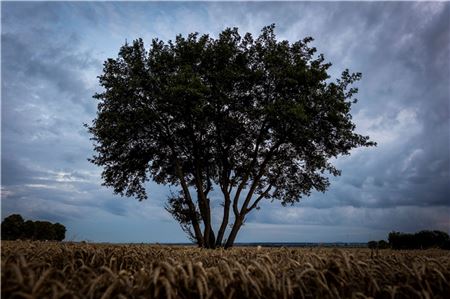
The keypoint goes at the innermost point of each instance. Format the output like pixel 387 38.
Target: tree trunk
pixel 195 224
pixel 205 213
pixel 234 231
pixel 212 240
pixel 205 209
pixel 208 236
pixel 226 216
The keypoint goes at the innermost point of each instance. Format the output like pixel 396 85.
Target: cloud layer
pixel 52 53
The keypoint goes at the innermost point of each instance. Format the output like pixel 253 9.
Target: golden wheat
pixel 74 270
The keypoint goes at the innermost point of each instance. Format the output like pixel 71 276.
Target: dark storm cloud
pixel 405 85
pixel 57 65
pixel 52 53
pixel 15 173
pixel 46 99
pixel 58 195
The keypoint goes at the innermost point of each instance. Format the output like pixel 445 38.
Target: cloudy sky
pixel 51 54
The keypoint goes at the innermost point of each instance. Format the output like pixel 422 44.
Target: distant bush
pixel 14 227
pixel 382 244
pixel 420 240
pixel 372 244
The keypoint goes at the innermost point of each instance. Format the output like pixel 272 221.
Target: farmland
pixel 76 270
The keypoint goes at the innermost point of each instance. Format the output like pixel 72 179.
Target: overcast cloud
pixel 52 53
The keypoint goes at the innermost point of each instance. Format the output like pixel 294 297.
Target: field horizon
pixel 239 244
pixel 36 269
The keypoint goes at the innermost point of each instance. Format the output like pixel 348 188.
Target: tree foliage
pixel 250 118
pixel 420 240
pixel 14 227
pixel 60 231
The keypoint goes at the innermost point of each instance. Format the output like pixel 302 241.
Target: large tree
pixel 252 119
pixel 12 227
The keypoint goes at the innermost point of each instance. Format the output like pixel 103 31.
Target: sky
pixel 52 53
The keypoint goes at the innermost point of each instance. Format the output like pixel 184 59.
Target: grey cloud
pixel 68 197
pixel 55 65
pixel 15 173
pixel 405 218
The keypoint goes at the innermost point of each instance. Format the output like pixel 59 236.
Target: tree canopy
pixel 420 240
pixel 14 227
pixel 251 118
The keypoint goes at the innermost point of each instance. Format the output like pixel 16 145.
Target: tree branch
pixel 204 205
pixel 258 177
pixel 261 196
pixel 191 205
pixel 248 171
pixel 226 216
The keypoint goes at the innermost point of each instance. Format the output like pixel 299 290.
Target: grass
pixel 73 270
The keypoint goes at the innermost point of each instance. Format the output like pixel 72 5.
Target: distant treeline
pixel 14 227
pixel 420 240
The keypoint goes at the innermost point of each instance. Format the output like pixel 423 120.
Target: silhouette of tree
pixel 251 118
pixel 420 240
pixel 60 231
pixel 28 230
pixel 44 230
pixel 12 227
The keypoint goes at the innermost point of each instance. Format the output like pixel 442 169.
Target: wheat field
pixel 75 270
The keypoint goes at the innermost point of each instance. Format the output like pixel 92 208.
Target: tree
pixel 28 230
pixel 428 239
pixel 250 118
pixel 44 230
pixel 420 240
pixel 60 231
pixel 12 227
